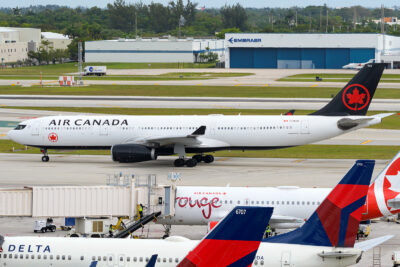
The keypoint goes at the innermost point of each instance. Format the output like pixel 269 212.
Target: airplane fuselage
pixel 44 251
pixel 222 132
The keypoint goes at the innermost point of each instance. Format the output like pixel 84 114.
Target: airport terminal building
pixel 308 51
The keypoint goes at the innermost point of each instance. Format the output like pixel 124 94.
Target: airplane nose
pixel 11 134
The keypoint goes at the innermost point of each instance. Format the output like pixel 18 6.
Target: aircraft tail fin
pixel 356 96
pixel 234 241
pixel 336 220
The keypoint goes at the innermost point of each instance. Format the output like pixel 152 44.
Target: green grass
pixel 391 122
pixel 161 77
pixel 335 77
pixel 190 91
pixel 307 151
pixel 59 69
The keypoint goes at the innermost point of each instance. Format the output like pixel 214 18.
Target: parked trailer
pixel 95 70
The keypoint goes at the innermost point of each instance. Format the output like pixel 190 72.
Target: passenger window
pixel 277 203
pixel 5 256
pixel 308 202
pixel 15 256
pixel 22 256
pixel 257 202
pixel 141 259
pixel 26 256
pixel 170 259
pixel 51 257
pixel 252 202
pixel 57 257
pixel 262 202
pixel 313 203
pixel 261 262
pixel 292 202
pixel 128 259
pixel 93 258
pixel 158 259
pixel 147 259
pixel 63 257
pixel 238 202
pixel 255 262
pixel 134 259
pixel 176 260
pixel 121 259
pixel 39 257
pixel 82 258
pixel 110 258
pixel 164 260
pixel 98 258
pixel 69 257
pixel 104 258
pixel 45 257
pixel 288 202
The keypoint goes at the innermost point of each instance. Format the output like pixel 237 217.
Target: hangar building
pixel 152 50
pixel 308 51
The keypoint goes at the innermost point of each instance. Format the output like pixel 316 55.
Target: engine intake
pixel 132 153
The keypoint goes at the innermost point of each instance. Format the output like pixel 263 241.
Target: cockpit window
pixel 20 127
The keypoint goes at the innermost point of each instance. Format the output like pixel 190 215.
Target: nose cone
pixel 11 134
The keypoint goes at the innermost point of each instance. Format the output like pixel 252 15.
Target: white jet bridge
pixel 119 198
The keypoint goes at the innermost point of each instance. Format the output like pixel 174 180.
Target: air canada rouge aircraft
pixel 143 138
pixel 326 239
pixel 196 205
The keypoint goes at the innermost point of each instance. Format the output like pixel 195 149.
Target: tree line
pixel 186 18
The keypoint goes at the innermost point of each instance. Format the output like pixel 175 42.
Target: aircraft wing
pixel 195 139
pixel 371 243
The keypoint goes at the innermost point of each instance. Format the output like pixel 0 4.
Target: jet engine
pixel 132 153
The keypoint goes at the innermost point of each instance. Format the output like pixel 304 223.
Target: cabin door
pixel 285 259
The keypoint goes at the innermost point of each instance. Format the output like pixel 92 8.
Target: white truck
pixel 95 70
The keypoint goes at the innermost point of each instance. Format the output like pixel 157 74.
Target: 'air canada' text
pixel 91 122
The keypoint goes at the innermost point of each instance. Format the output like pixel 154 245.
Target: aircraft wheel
pixel 208 158
pixel 191 163
pixel 197 158
pixel 179 162
pixel 45 158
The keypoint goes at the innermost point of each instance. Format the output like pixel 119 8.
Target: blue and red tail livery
pixel 234 241
pixel 336 220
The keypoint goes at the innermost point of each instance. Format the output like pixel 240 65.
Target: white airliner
pixel 197 205
pixel 357 66
pixel 326 239
pixel 142 138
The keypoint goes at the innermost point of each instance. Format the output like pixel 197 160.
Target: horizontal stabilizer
pixel 347 123
pixel 368 244
pixel 337 254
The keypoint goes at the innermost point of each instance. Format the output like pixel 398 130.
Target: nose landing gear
pixel 45 157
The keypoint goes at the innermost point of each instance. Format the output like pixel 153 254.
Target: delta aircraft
pixel 326 239
pixel 196 205
pixel 143 138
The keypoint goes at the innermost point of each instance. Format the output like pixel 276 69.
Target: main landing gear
pixel 181 161
pixel 45 157
pixel 193 161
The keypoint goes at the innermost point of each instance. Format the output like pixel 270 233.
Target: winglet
pixel 199 131
pixel 152 261
pixel 336 220
pixel 234 241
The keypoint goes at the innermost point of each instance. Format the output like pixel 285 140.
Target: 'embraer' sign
pixel 244 40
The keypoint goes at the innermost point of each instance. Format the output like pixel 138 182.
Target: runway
pixel 259 77
pixel 93 170
pixel 182 102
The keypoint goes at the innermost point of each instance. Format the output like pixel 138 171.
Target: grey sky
pixel 209 3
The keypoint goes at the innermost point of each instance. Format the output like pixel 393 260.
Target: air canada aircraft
pixel 143 138
pixel 326 239
pixel 201 205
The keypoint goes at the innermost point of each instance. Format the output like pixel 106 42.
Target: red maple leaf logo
pixel 53 137
pixel 355 97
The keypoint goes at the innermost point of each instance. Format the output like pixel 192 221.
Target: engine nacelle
pixel 132 153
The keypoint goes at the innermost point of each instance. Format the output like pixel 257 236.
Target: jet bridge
pixel 118 198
